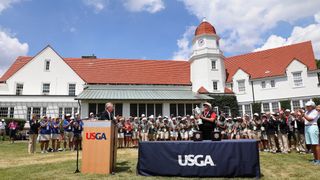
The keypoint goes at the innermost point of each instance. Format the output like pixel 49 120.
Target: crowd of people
pixel 279 132
pixel 56 130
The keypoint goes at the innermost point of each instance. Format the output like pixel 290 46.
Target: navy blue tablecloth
pixel 226 158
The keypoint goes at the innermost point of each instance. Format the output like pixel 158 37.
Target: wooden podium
pixel 99 147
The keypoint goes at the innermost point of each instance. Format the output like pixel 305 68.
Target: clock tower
pixel 207 61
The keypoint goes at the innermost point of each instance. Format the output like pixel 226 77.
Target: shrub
pixel 285 104
pixel 226 100
pixel 316 101
pixel 256 108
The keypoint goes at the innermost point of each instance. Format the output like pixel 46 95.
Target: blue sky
pixel 149 29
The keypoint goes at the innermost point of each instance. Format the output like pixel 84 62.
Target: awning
pixel 139 92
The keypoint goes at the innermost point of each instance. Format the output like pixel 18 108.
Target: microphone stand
pixel 77 170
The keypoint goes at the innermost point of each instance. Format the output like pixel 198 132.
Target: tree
pixel 256 107
pixel 285 104
pixel 223 101
pixel 318 63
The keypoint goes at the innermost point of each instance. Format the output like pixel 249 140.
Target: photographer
pixel 45 132
pixel 68 131
pixel 77 132
pixel 298 124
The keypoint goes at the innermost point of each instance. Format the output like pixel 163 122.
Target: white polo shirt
pixel 314 114
pixel 2 125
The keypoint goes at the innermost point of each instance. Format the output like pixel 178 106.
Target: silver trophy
pixel 197 112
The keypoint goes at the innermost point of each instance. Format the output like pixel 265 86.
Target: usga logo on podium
pixel 96 136
pixel 195 160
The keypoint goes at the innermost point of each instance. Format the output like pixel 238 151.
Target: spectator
pixel 144 129
pixel 77 131
pixel 128 133
pixel 55 134
pixel 283 132
pixel 311 130
pixel 13 126
pixel 68 132
pixel 120 126
pixel 33 133
pixel 135 132
pixel 45 132
pixel 298 124
pixel 3 129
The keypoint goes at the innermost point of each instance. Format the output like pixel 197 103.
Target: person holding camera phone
pixel 68 131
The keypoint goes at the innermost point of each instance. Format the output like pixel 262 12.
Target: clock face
pixel 201 42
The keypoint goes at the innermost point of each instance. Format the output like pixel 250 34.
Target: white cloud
pixel 97 5
pixel 10 48
pixel 317 17
pixel 4 4
pixel 242 23
pixel 183 44
pixel 298 34
pixel 151 6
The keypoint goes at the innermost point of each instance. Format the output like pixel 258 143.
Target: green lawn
pixel 16 163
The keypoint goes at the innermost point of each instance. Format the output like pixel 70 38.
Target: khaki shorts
pixel 68 136
pixel 44 137
pixel 55 136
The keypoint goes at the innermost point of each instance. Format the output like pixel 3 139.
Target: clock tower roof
pixel 205 28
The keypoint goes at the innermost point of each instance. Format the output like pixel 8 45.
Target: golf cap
pixel 68 115
pixel 151 117
pixel 310 103
pixel 144 119
pixel 143 115
pixel 2 119
pixel 207 104
pixel 256 114
pixel 72 117
pixel 287 110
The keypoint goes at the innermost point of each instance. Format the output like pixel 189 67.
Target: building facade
pixel 53 85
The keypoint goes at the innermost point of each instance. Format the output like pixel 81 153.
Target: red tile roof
pixel 121 71
pixel 203 90
pixel 228 91
pixel 271 62
pixel 205 28
pixel 18 64
pixel 126 71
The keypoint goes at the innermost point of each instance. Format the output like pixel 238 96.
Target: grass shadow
pixel 122 166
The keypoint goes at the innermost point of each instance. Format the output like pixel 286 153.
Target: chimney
pixel 89 57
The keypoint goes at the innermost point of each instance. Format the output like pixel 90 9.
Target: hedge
pixel 226 100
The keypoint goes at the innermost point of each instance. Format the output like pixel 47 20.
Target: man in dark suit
pixel 108 113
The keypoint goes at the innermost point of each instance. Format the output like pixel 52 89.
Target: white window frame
pixel 215 64
pixel 272 85
pixel 273 108
pixel 21 92
pixel 75 88
pixel 242 89
pixel 263 84
pixel 45 65
pixel 265 109
pixel 42 89
pixel 297 81
pixel 216 85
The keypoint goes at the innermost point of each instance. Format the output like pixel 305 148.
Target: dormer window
pixel 297 79
pixel 241 86
pixel 47 65
pixel 213 64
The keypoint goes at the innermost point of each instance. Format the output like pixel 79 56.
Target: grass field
pixel 16 163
